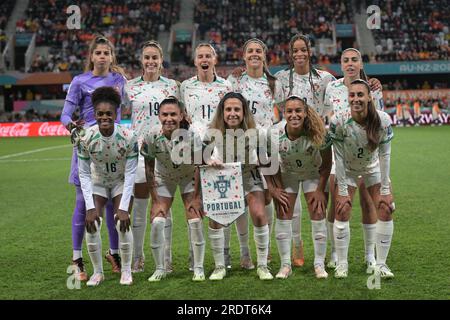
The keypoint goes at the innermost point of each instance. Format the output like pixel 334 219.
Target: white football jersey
pixel 358 159
pixel 108 155
pixel 201 99
pixel 299 157
pixel 302 88
pixel 258 95
pixel 155 145
pixel 144 98
pixel 336 97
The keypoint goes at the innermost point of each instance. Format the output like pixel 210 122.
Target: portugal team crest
pixel 222 186
pixel 222 192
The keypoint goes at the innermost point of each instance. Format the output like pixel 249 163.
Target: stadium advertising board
pixel 32 129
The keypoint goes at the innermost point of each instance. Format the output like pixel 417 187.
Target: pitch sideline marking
pixel 33 151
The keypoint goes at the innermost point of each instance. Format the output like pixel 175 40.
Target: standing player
pixel 305 81
pixel 362 145
pixel 144 95
pixel 336 100
pixel 201 94
pixel 257 85
pixel 112 150
pixel 163 177
pixel 417 112
pixel 436 113
pixel 304 159
pixel 101 70
pixel 233 113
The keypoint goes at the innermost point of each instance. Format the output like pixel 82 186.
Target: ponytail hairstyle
pixel 208 45
pixel 270 78
pixel 312 70
pixel 362 73
pixel 313 125
pixel 373 121
pixel 153 44
pixel 218 122
pixel 98 40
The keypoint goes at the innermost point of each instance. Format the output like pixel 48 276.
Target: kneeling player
pixel 112 150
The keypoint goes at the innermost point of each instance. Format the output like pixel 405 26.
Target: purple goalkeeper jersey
pixel 79 96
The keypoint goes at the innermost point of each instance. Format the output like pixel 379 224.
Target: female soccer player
pixel 201 94
pixel 257 85
pixel 112 150
pixel 362 145
pixel 101 70
pixel 163 177
pixel 304 159
pixel 305 81
pixel 144 95
pixel 233 113
pixel 336 100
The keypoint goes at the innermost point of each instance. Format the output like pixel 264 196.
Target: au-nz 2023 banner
pixel 222 192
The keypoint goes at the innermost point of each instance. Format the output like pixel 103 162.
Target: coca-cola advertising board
pixel 32 129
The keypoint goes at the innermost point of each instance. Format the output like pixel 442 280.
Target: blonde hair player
pixel 257 85
pixel 202 93
pixel 304 159
pixel 336 99
pixel 143 96
pixel 362 147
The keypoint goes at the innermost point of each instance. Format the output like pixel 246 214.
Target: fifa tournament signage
pixel 222 192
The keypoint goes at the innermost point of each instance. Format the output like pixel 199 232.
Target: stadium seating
pixel 229 23
pixel 126 23
pixel 413 30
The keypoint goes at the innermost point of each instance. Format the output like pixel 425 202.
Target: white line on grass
pixel 35 160
pixel 33 151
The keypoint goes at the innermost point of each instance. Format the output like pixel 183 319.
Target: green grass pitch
pixel 36 205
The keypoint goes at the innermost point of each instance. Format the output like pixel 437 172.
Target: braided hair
pixel 312 70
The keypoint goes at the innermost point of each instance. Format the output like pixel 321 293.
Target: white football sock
pixel 168 238
pixel 385 230
pixel 157 241
pixel 139 226
pixel 77 254
pixel 297 223
pixel 94 246
pixel 269 214
pixel 370 236
pixel 319 236
pixel 216 238
pixel 261 236
pixel 227 237
pixel 242 231
pixel 283 235
pixel 197 241
pixel 341 231
pixel 330 231
pixel 125 247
